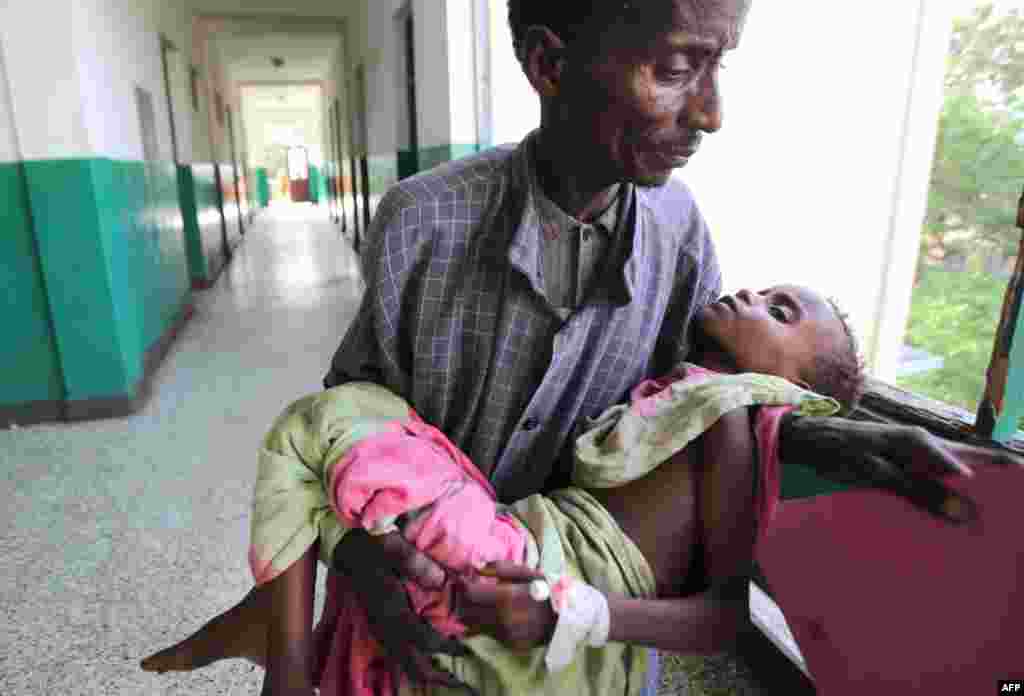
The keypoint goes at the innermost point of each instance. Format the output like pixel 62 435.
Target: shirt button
pixel 530 424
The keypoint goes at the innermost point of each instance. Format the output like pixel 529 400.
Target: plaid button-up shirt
pixel 455 320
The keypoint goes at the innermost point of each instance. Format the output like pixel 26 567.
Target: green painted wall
pixel 316 180
pixel 111 242
pixel 1013 403
pixel 408 163
pixel 231 212
pixel 197 266
pixel 383 174
pixel 203 232
pixel 29 362
pixel 263 187
pixel 799 481
pixel 430 157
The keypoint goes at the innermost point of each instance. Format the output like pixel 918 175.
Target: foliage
pixel 954 315
pixel 977 176
pixel 978 170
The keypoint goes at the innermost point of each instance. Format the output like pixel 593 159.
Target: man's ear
pixel 543 60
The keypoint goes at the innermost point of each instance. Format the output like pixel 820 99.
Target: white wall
pixel 380 61
pixel 515 107
pixel 40 52
pixel 116 54
pixel 73 68
pixel 461 54
pixel 802 183
pixel 10 151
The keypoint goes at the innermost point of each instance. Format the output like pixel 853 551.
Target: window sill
pixel 884 403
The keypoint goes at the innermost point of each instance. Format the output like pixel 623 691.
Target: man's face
pixel 640 108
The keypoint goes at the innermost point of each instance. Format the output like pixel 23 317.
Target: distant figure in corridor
pixel 516 294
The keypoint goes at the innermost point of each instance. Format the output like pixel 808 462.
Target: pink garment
pixel 413 466
pixel 409 467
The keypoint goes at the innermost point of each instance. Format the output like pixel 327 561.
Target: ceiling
pixel 275 98
pixel 307 56
pixel 285 8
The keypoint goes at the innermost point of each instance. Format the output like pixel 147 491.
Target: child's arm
pixel 709 621
pixel 289 659
pixel 706 622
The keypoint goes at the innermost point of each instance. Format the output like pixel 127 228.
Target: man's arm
pixel 902 459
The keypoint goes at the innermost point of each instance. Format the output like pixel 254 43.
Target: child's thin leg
pixel 242 630
pixel 289 634
pixel 238 632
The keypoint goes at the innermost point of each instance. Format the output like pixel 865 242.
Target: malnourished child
pixel 651 547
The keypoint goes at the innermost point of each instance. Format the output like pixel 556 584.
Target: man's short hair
pixel 563 17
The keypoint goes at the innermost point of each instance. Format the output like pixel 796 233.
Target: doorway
pixel 405 82
pixel 363 135
pixel 298 174
pixel 234 167
pixel 339 173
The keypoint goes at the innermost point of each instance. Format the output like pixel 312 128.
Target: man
pixel 515 294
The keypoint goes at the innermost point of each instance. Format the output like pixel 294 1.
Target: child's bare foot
pixel 240 632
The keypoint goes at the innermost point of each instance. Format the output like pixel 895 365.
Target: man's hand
pixel 375 567
pixel 505 610
pixel 902 459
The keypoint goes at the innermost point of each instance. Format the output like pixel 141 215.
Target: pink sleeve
pixel 414 467
pixel 769 418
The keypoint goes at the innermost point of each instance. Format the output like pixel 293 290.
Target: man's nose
pixel 746 296
pixel 703 110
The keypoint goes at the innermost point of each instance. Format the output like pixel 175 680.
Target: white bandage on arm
pixel 582 615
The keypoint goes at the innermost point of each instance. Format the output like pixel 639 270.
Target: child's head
pixel 788 331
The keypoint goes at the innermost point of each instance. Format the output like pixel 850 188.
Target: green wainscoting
pixel 316 180
pixel 29 362
pixel 232 214
pixel 383 174
pixel 430 157
pixel 204 226
pixel 408 163
pixel 110 240
pixel 1008 424
pixel 383 171
pixel 263 187
pixel 799 481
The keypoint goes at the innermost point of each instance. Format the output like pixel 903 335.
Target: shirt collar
pixel 524 248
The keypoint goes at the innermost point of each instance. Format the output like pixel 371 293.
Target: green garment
pixel 574 535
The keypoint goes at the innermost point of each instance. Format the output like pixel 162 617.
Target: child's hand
pixel 505 611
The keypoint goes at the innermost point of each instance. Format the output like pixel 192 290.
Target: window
pixel 969 240
pixel 821 174
pixel 194 85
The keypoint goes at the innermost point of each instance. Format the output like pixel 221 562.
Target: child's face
pixel 777 331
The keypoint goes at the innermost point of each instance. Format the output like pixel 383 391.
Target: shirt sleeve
pixel 699 284
pixel 369 352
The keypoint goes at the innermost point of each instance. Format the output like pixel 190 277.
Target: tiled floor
pixel 119 536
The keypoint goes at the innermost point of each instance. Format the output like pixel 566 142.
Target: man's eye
pixel 778 313
pixel 676 70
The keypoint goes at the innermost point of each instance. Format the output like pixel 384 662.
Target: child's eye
pixel 778 313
